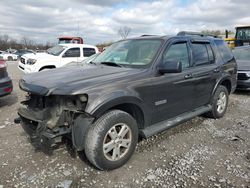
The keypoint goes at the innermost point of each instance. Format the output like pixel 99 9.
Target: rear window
pixel 224 51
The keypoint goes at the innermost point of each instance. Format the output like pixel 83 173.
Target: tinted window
pixel 88 52
pixel 242 53
pixel 225 52
pixel 72 52
pixel 200 53
pixel 210 53
pixel 177 52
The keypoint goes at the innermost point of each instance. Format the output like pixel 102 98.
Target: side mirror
pixel 171 67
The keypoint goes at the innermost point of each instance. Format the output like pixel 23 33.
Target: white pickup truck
pixel 56 56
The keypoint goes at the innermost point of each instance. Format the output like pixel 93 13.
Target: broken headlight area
pixel 49 119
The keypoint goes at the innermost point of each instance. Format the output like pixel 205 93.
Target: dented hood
pixel 70 80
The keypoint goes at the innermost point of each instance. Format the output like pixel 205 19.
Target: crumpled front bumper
pixel 40 136
pixel 46 139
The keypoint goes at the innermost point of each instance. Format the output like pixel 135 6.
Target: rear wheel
pixel 111 140
pixel 219 102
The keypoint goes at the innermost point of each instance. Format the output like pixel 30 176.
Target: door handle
pixel 188 76
pixel 216 70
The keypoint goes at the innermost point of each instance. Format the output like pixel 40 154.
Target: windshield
pixel 242 53
pixel 131 53
pixel 56 50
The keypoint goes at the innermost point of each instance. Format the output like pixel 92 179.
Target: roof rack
pixel 186 33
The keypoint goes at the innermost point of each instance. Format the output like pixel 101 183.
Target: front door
pixel 174 92
pixel 70 55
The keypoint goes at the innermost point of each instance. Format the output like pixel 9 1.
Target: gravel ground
pixel 199 153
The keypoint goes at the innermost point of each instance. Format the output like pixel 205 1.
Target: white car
pixel 55 57
pixel 8 56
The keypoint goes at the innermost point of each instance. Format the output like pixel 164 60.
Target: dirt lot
pixel 200 153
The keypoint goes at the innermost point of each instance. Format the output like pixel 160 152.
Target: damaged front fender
pixel 79 130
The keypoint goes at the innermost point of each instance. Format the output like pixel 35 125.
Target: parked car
pixel 136 88
pixel 8 56
pixel 84 62
pixel 242 55
pixel 21 52
pixel 5 81
pixel 55 57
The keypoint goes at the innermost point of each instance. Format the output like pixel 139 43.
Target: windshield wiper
pixel 111 64
pixel 93 63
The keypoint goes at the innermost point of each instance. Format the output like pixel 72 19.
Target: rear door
pixel 205 72
pixel 87 52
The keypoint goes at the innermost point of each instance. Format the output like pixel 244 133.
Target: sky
pixel 98 21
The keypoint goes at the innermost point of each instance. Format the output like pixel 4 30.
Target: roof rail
pixel 147 35
pixel 185 33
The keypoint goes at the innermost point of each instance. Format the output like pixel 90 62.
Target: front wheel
pixel 219 102
pixel 111 140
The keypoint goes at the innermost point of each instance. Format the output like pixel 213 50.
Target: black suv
pixel 136 88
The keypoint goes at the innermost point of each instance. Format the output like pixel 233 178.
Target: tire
pixel 10 58
pixel 107 126
pixel 220 98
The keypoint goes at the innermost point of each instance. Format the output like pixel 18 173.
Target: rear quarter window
pixel 224 51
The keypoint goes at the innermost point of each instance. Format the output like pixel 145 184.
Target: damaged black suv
pixel 136 88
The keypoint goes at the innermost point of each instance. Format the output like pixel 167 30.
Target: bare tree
pixel 124 32
pixel 7 42
pixel 27 43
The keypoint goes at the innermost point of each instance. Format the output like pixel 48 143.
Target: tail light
pixel 2 64
pixel 8 89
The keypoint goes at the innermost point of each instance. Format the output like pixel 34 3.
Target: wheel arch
pixel 47 67
pixel 131 105
pixel 225 81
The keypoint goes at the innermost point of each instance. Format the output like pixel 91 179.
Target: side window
pixel 88 52
pixel 72 52
pixel 211 57
pixel 201 56
pixel 177 52
pixel 224 51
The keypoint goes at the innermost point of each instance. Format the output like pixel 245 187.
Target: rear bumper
pixel 6 86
